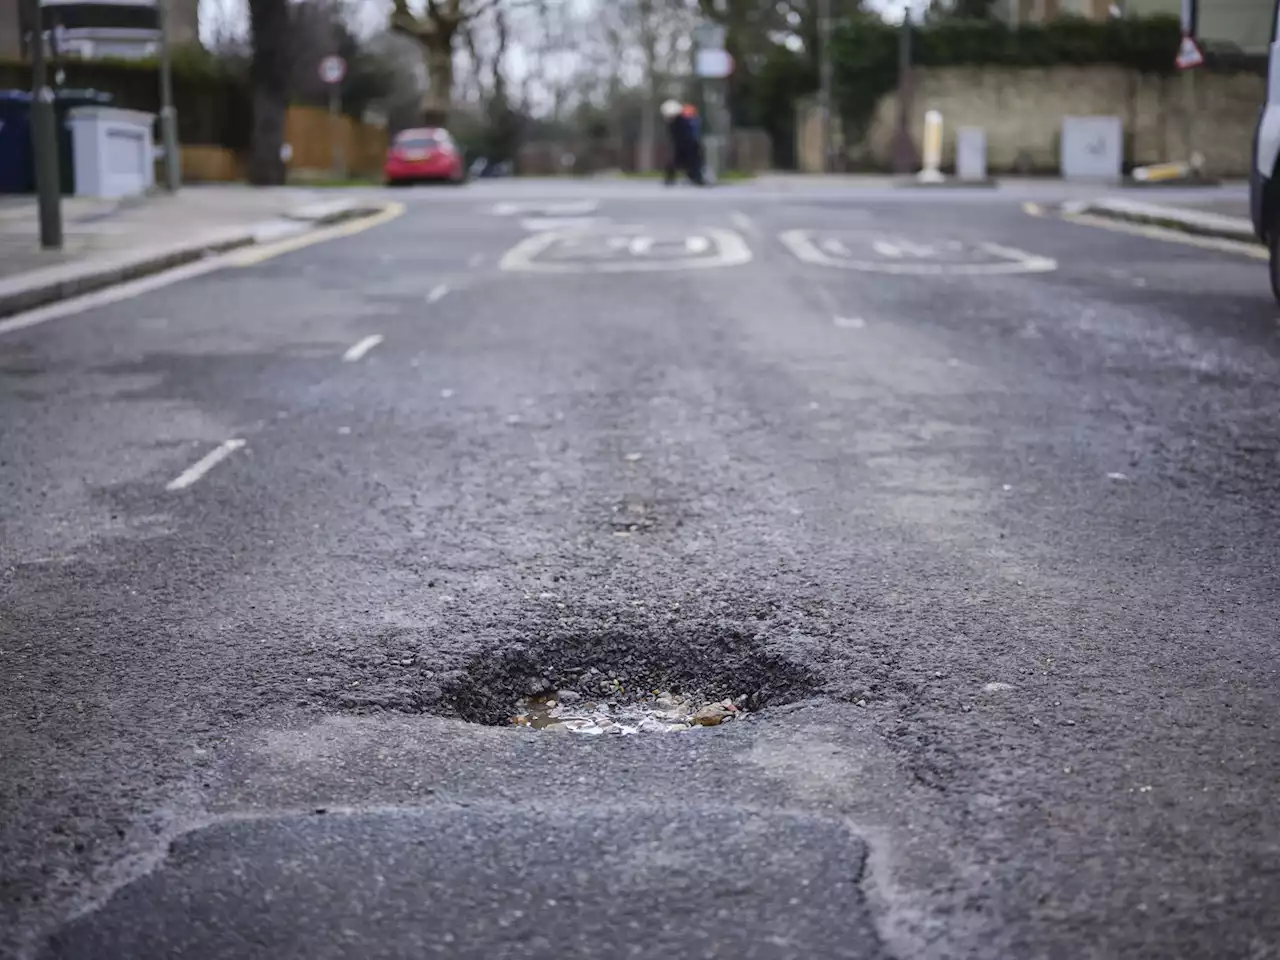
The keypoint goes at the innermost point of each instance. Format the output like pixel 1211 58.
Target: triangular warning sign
pixel 1189 54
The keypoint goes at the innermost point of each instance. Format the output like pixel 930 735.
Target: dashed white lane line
pixel 204 465
pixel 359 349
pixel 437 294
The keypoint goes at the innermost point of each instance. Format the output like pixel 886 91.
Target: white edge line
pixel 1154 232
pixel 204 464
pixel 112 294
pixel 359 349
pixel 210 263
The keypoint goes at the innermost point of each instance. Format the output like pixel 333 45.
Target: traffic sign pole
pixel 44 137
pixel 332 70
pixel 168 115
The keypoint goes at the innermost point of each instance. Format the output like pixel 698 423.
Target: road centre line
pixel 359 349
pixel 204 465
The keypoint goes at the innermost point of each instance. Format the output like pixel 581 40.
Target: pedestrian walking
pixel 684 127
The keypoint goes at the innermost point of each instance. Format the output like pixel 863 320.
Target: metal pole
pixel 168 115
pixel 335 134
pixel 824 70
pixel 44 138
pixel 904 151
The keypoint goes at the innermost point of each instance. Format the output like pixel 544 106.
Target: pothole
pixel 617 711
pixel 623 682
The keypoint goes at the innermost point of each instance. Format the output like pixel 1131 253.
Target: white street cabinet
pixel 113 150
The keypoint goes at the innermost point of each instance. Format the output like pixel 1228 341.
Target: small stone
pixel 407 662
pixel 996 686
pixel 568 696
pixel 861 703
pixel 713 714
pixel 538 685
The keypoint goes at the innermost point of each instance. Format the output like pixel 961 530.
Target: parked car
pixel 422 155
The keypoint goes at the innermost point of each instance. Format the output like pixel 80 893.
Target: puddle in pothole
pixel 618 712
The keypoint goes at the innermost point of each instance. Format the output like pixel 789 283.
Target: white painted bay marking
pixel 204 464
pixel 438 293
pixel 1005 260
pixel 359 349
pixel 697 245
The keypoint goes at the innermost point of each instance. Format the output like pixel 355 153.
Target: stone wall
pixel 1022 110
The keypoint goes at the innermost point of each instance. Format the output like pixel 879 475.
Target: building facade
pixel 92 29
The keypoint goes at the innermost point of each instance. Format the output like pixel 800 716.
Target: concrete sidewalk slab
pixel 109 243
pixel 1206 221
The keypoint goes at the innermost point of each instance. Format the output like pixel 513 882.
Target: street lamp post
pixel 824 70
pixel 168 115
pixel 44 137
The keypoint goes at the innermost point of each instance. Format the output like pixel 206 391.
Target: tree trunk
pixel 437 102
pixel 269 80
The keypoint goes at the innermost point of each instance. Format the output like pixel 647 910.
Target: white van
pixel 1264 179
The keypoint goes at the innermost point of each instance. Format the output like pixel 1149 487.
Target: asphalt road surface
pixel 977 508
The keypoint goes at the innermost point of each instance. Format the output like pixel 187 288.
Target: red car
pixel 427 153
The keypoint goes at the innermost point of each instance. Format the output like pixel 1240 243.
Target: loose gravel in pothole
pixel 622 714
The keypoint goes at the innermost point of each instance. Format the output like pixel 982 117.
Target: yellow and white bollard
pixel 931 149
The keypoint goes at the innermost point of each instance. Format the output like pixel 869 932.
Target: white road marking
pixel 850 323
pixel 887 249
pixel 539 224
pixel 547 208
pixel 640 245
pixel 358 350
pixel 729 249
pixel 697 245
pixel 204 464
pixel 1032 209
pixel 744 223
pixel 835 246
pixel 438 293
pixel 1006 260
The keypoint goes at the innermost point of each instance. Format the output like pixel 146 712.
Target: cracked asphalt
pixel 980 507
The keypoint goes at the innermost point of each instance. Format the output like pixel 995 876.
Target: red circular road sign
pixel 332 69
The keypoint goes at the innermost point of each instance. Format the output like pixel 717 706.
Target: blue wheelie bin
pixel 17 169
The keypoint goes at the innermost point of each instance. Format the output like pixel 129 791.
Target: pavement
pixel 110 241
pixel 975 508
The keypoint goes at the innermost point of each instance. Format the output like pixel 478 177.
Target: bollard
pixel 931 152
